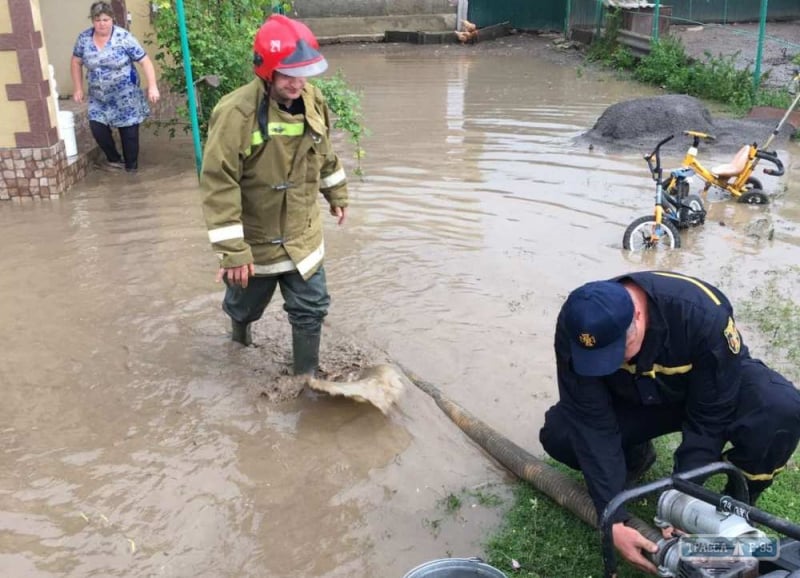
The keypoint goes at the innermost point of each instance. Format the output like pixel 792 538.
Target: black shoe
pixel 240 333
pixel 638 460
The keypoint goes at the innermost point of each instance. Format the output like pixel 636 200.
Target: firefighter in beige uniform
pixel 268 156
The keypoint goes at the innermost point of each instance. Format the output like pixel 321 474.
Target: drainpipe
pixel 187 69
pixel 759 54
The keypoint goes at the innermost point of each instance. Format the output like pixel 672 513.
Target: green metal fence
pixel 569 14
pixel 724 11
pixel 522 14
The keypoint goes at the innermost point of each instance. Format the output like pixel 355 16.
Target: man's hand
pixel 236 275
pixel 340 213
pixel 630 544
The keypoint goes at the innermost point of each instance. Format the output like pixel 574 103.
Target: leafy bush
pixel 346 104
pixel 605 48
pixel 667 65
pixel 220 35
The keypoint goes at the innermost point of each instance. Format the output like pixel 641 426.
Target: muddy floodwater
pixel 137 440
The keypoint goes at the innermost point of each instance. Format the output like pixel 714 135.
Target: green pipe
pixel 598 18
pixel 656 12
pixel 760 53
pixel 187 69
pixel 567 17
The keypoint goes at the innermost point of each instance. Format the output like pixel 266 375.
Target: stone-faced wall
pixel 33 162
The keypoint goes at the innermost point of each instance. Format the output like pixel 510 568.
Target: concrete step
pixel 358 28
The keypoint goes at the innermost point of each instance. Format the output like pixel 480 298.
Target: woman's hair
pixel 99 8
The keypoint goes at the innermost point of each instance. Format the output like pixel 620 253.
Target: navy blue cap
pixel 597 316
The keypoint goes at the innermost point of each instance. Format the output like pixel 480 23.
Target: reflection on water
pixel 133 441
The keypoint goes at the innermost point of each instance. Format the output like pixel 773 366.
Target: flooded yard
pixel 136 439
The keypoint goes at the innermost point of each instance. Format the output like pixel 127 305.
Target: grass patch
pixel 669 67
pixel 548 542
pixel 452 502
pixel 771 309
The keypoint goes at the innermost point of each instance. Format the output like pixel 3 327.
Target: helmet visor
pixel 304 61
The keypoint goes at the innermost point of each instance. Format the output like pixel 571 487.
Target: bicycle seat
pixel 700 135
pixel 736 166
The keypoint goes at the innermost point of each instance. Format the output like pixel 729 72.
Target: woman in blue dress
pixel 116 100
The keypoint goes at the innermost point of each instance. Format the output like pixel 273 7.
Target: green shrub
pixel 220 35
pixel 667 65
pixel 605 48
pixel 346 105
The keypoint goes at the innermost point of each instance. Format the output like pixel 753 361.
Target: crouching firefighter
pixel 649 353
pixel 267 158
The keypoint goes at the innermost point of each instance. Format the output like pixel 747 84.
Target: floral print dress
pixel 115 97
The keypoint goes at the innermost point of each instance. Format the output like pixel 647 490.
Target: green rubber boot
pixel 305 352
pixel 240 333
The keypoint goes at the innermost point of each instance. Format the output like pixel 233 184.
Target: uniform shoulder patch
pixel 733 337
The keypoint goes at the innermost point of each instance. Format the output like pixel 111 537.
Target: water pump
pixel 715 536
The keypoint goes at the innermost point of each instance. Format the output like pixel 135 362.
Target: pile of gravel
pixel 642 122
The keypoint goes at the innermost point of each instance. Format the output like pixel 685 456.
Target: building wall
pixel 33 161
pixel 26 108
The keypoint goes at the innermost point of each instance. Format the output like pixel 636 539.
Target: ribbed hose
pixel 562 489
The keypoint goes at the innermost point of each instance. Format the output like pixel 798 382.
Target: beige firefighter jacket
pixel 260 191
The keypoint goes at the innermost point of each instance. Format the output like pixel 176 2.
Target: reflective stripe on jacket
pixel 260 191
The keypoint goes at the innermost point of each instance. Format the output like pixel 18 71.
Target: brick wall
pixel 47 172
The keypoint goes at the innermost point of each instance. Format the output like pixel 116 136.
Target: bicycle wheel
pixel 753 197
pixel 645 234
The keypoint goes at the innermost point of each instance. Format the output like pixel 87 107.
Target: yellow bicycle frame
pixel 735 187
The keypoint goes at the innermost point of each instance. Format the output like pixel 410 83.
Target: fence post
pixel 598 18
pixel 567 18
pixel 656 12
pixel 760 52
pixel 187 70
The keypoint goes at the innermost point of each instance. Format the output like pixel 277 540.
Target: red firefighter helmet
pixel 287 46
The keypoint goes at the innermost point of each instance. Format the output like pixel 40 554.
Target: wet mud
pixel 138 440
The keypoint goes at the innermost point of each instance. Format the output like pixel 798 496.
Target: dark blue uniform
pixel 693 374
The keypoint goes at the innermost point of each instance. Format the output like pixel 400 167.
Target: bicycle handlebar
pixel 657 153
pixel 773 158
